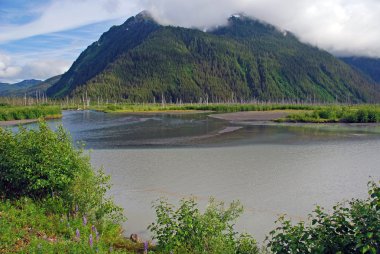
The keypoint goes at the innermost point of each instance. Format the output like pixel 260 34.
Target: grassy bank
pixel 8 113
pixel 220 108
pixel 335 114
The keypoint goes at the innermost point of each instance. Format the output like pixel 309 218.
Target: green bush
pixel 187 230
pixel 352 227
pixel 44 165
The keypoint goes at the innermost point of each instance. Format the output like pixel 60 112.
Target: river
pixel 272 170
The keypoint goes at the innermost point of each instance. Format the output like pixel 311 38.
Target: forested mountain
pixel 9 88
pixel 369 66
pixel 142 61
pixel 27 87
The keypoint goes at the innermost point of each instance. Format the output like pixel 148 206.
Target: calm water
pixel 272 170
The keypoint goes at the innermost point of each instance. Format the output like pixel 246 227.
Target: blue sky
pixel 42 38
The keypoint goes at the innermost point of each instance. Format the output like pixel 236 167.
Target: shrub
pixel 44 165
pixel 187 230
pixel 353 227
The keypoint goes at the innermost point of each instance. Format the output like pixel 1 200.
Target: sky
pixel 41 38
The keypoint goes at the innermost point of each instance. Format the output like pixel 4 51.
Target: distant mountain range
pixel 368 66
pixel 27 87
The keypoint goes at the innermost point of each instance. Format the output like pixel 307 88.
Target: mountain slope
pixel 9 89
pixel 369 66
pixel 142 61
pixel 28 87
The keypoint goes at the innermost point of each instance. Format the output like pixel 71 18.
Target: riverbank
pixel 22 113
pixel 26 121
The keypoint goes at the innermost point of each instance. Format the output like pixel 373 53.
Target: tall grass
pixel 8 113
pixel 221 108
pixel 346 114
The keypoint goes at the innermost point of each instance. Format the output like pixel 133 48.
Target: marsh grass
pixel 335 114
pixel 8 113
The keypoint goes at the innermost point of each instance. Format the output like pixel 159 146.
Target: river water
pixel 272 170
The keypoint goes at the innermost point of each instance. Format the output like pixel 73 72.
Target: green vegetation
pixel 52 200
pixel 8 113
pixel 352 227
pixel 187 230
pixel 142 61
pixel 220 108
pixel 333 114
pixel 369 66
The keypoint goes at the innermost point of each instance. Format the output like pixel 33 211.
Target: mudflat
pixel 253 115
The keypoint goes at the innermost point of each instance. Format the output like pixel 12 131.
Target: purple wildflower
pixel 111 248
pixel 90 241
pixel 97 235
pixel 93 228
pixel 146 247
pixel 77 233
pixel 84 220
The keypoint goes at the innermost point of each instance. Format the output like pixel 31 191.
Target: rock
pixel 135 238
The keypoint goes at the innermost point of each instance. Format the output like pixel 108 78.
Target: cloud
pixel 14 70
pixel 6 68
pixel 58 15
pixel 343 27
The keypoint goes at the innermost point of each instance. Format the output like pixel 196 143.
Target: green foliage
pixel 369 66
pixel 220 108
pixel 187 230
pixel 347 114
pixel 27 227
pixel 8 113
pixel 352 227
pixel 45 166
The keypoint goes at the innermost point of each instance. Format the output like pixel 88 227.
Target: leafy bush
pixel 187 230
pixel 45 166
pixel 353 227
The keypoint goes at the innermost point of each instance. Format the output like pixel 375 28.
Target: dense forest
pixel 142 61
pixel 368 66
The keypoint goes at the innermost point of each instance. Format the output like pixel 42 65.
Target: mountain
pixel 142 61
pixel 369 66
pixel 7 89
pixel 27 87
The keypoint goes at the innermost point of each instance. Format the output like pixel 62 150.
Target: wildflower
pixel 146 247
pixel 77 233
pixel 76 208
pixel 97 235
pixel 90 241
pixel 93 228
pixel 111 248
pixel 84 220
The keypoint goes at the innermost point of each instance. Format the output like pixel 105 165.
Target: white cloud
pixel 7 70
pixel 61 15
pixel 13 70
pixel 343 27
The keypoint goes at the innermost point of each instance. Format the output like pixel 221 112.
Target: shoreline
pixel 27 121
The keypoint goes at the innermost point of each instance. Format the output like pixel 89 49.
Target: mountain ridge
pixel 368 66
pixel 142 61
pixel 27 87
